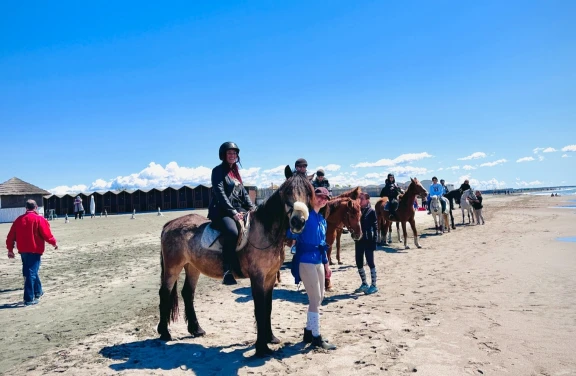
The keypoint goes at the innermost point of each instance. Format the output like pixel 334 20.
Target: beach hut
pixel 13 196
pixel 186 197
pixel 201 196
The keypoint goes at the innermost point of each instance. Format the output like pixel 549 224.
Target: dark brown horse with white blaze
pixel 259 260
pixel 404 213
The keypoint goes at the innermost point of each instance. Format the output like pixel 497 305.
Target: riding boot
pixel 228 276
pixel 392 214
pixel 308 337
pixel 320 343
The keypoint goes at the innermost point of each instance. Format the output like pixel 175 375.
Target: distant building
pixel 13 196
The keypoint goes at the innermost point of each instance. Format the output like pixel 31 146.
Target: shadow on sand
pixel 154 354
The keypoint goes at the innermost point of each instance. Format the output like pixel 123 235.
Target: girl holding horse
pixel 230 202
pixel 366 245
pixel 310 265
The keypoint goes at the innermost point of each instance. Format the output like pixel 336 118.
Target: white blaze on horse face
pixel 302 208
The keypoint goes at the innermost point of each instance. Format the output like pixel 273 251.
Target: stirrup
pixel 229 279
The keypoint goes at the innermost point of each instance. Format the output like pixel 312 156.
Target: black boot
pixel 320 343
pixel 392 214
pixel 308 336
pixel 228 276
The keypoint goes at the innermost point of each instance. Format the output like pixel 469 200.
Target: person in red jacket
pixel 29 232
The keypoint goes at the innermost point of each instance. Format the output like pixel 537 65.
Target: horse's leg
pixel 435 223
pixel 278 279
pixel 414 231
pixel 261 313
pixel 461 208
pixel 270 336
pixel 397 231
pixel 452 220
pixel 192 275
pixel 168 299
pixel 338 236
pixel 385 229
pixel 406 246
pixel 329 254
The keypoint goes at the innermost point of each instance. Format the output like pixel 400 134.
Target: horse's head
pixel 352 215
pixel 435 204
pixel 297 195
pixel 419 189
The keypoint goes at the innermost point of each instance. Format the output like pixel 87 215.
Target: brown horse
pixel 259 259
pixel 405 212
pixel 381 239
pixel 336 223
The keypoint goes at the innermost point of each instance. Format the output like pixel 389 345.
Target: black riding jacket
pixel 390 190
pixel 227 197
pixel 324 183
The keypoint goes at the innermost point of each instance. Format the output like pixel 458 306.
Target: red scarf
pixel 234 173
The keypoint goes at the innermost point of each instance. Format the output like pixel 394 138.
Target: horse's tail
pixel 173 294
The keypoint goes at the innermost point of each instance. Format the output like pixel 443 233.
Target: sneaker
pixel 371 290
pixel 39 296
pixel 33 302
pixel 363 287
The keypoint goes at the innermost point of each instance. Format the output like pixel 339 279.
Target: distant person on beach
pixel 477 205
pixel 78 208
pixel 28 233
pixel 366 245
pixel 229 203
pixel 310 265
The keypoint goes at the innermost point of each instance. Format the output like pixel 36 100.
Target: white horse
pixel 436 209
pixel 466 205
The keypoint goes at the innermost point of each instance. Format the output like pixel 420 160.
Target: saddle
pixel 211 237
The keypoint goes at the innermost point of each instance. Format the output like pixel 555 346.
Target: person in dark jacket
pixel 366 245
pixel 477 205
pixel 391 190
pixel 321 180
pixel 464 186
pixel 229 204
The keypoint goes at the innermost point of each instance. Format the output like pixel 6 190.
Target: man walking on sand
pixel 29 232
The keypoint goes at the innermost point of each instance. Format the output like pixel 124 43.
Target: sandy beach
pixel 498 299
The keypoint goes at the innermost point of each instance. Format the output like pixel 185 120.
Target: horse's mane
pixel 271 212
pixel 411 187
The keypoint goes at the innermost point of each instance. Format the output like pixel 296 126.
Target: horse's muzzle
pixel 297 223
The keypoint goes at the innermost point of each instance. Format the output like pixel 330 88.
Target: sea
pixel 559 191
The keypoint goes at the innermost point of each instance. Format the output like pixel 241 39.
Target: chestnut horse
pixel 404 213
pixel 336 223
pixel 381 239
pixel 260 259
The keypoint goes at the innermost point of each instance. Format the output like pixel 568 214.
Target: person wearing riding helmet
pixel 320 180
pixel 436 189
pixel 464 186
pixel 391 190
pixel 228 205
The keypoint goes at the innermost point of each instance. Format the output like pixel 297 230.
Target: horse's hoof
pixel 407 247
pixel 197 332
pixel 165 337
pixel 263 351
pixel 331 262
pixel 274 340
pixel 340 263
pixel 419 246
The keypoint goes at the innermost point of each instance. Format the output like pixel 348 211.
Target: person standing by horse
pixel 78 208
pixel 477 205
pixel 436 189
pixel 29 232
pixel 310 265
pixel 391 190
pixel 366 245
pixel 229 204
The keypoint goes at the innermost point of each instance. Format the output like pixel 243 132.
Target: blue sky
pixel 105 95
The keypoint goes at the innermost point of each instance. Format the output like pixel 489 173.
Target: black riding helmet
pixel 225 147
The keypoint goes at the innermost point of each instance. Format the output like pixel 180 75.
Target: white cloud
pixel 441 169
pixel 476 155
pixel 495 163
pixel 330 167
pixel 525 159
pixel 468 168
pixel 541 158
pixel 64 189
pixel 528 184
pixel 566 156
pixel 404 158
pixel 453 168
pixel 569 148
pixel 537 150
pixel 549 150
pixel 480 184
pixel 400 173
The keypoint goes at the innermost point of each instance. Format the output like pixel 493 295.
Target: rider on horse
pixel 391 190
pixel 320 180
pixel 229 203
pixel 436 189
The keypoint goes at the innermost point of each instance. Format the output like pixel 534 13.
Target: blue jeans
pixel 32 284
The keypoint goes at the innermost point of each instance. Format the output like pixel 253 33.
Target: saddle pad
pixel 210 236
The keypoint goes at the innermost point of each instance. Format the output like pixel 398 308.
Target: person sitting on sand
pixel 310 265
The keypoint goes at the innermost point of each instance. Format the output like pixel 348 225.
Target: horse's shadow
pixel 277 294
pixel 389 249
pixel 154 354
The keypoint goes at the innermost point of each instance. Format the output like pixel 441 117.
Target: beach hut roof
pixel 17 186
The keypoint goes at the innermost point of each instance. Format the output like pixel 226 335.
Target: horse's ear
pixel 288 172
pixel 412 180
